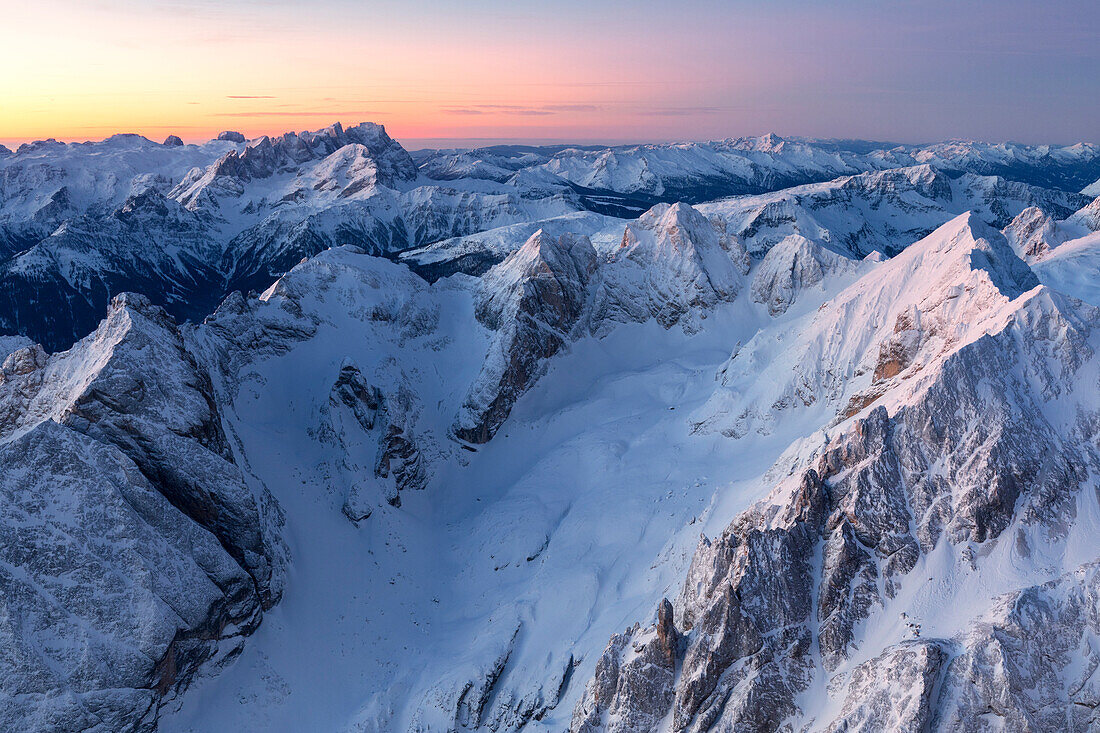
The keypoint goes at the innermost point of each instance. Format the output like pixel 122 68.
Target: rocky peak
pixel 148 203
pixel 533 300
pixel 126 425
pixel 132 383
pixel 557 268
pixel 925 180
pixel 988 251
pixel 1033 234
pixel 963 452
pixel 935 295
pixel 767 143
pixel 389 163
pixel 1089 216
pixel 397 462
pixel 791 266
pixel 231 136
pixel 173 141
pixel 673 265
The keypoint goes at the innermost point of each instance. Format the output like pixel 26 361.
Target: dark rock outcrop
pixel 127 423
pixel 531 301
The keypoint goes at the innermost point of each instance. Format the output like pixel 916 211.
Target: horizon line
pixel 415 143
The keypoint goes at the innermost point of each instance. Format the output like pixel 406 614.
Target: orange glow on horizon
pixel 570 70
pixel 196 71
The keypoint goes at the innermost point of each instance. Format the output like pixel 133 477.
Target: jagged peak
pixel 264 156
pixel 1033 233
pixel 965 244
pixel 678 236
pixel 569 257
pixel 128 311
pixel 791 266
pixel 680 225
pixel 1089 216
pixel 39 146
pixel 766 143
pixel 926 178
pixel 542 245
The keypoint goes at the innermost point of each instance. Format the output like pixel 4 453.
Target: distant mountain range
pixel 77 221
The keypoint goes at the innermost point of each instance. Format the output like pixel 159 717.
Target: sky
pixel 555 70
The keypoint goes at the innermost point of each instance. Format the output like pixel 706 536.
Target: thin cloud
pixel 680 111
pixel 507 109
pixel 571 107
pixel 249 96
pixel 311 113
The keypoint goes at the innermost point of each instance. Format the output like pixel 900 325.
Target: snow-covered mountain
pixel 852 215
pixel 189 224
pixel 479 457
pixel 697 172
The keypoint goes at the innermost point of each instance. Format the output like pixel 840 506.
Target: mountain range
pixel 764 434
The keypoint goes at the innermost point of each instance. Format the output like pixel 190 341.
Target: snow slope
pixel 483 601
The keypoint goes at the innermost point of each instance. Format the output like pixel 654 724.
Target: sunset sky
pixel 584 71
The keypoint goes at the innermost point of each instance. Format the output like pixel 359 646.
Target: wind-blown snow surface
pixel 398 505
pixel 507 554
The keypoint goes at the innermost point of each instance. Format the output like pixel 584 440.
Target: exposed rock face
pixel 943 408
pixel 895 690
pixel 110 597
pixel 387 161
pixel 672 265
pixel 800 573
pixel 920 302
pixel 792 266
pixel 633 685
pixel 150 400
pixel 532 300
pixel 231 136
pixel 173 141
pixel 258 207
pixel 370 416
pixel 1089 216
pixel 883 210
pixel 128 425
pixel 398 464
pixel 79 265
pixel 1033 234
pixel 1029 663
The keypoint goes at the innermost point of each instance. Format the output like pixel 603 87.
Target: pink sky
pixel 554 71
